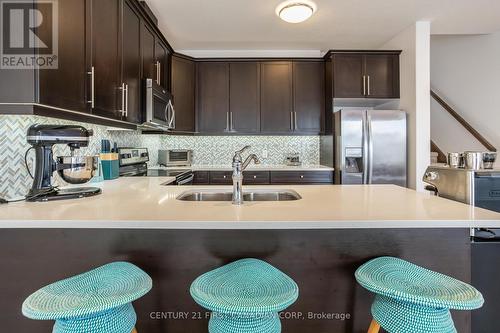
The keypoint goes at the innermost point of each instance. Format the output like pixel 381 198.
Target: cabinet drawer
pixel 301 177
pixel 256 177
pixel 221 177
pixel 201 178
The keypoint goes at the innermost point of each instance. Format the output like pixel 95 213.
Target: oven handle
pixel 186 180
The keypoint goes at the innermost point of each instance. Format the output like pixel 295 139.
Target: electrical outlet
pixel 265 153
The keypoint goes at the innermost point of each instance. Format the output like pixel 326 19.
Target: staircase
pixel 438 155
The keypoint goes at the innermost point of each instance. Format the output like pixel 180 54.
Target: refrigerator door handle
pixel 370 146
pixel 365 148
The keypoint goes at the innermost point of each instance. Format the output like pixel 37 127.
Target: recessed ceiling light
pixel 296 11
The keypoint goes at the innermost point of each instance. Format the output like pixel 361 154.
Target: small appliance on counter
pixel 72 169
pixel 133 163
pixel 293 159
pixel 175 158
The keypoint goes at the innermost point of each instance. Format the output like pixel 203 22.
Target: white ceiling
pixel 338 24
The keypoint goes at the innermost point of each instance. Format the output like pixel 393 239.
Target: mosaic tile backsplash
pixel 207 150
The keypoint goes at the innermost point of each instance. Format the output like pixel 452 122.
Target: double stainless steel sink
pixel 252 195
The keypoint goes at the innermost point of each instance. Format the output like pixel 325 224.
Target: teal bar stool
pixel 98 301
pixel 245 297
pixel 412 299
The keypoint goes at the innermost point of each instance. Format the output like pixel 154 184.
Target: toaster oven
pixel 178 157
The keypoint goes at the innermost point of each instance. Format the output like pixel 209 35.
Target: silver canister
pixel 456 160
pixel 473 160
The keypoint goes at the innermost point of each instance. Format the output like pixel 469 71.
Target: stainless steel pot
pixel 76 169
pixel 456 160
pixel 489 159
pixel 473 160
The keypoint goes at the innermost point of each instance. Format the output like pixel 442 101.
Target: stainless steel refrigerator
pixel 370 147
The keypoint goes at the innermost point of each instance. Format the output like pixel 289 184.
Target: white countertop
pixel 143 203
pixel 251 167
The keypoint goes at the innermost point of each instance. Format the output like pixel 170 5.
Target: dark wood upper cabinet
pixel 366 74
pixel 382 75
pixel 276 97
pixel 163 57
pixel 348 76
pixel 131 64
pixel 148 53
pixel 104 36
pixel 212 97
pixel 183 90
pixel 308 96
pixel 65 87
pixel 244 100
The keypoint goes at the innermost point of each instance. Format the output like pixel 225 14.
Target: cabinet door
pixel 148 53
pixel 65 87
pixel 244 100
pixel 382 72
pixel 183 90
pixel 163 61
pixel 213 97
pixel 276 97
pixel 131 62
pixel 105 31
pixel 348 76
pixel 309 96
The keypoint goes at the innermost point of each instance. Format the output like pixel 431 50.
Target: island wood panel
pixel 322 262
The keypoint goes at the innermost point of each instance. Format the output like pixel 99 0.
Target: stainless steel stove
pixel 133 163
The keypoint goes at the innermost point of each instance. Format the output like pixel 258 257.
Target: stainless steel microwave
pixel 160 112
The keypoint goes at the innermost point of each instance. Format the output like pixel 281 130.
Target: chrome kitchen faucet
pixel 238 168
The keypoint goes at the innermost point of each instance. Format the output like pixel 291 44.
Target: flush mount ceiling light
pixel 296 11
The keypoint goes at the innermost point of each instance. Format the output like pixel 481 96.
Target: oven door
pixel 160 113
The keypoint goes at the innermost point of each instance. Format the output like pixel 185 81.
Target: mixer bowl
pixel 76 169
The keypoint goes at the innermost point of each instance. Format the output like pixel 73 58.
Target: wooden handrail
pixel 463 122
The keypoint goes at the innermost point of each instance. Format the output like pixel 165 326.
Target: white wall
pixel 465 71
pixel 415 95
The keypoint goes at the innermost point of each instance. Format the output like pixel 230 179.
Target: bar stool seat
pixel 97 301
pixel 245 296
pixel 412 299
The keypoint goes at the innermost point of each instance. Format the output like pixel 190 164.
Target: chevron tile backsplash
pixel 207 150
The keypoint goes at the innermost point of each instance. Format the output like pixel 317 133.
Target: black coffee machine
pixel 72 169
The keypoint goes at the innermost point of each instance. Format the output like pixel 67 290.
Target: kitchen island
pixel 319 241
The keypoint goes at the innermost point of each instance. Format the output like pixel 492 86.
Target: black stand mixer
pixel 72 169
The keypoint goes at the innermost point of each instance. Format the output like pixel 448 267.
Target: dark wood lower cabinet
pixel 201 178
pixel 221 177
pixel 253 177
pixel 301 177
pixel 256 177
pixel 321 262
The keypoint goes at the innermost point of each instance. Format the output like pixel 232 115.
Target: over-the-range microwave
pixel 160 112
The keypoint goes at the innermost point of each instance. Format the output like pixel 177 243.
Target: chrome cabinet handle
pixel 92 87
pixel 291 121
pixel 231 126
pixel 122 108
pixel 254 177
pixel 369 90
pixel 227 122
pixel 126 100
pixel 364 85
pixel 301 176
pixel 296 127
pixel 158 71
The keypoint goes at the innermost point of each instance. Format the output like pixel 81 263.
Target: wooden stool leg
pixel 134 330
pixel 374 327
